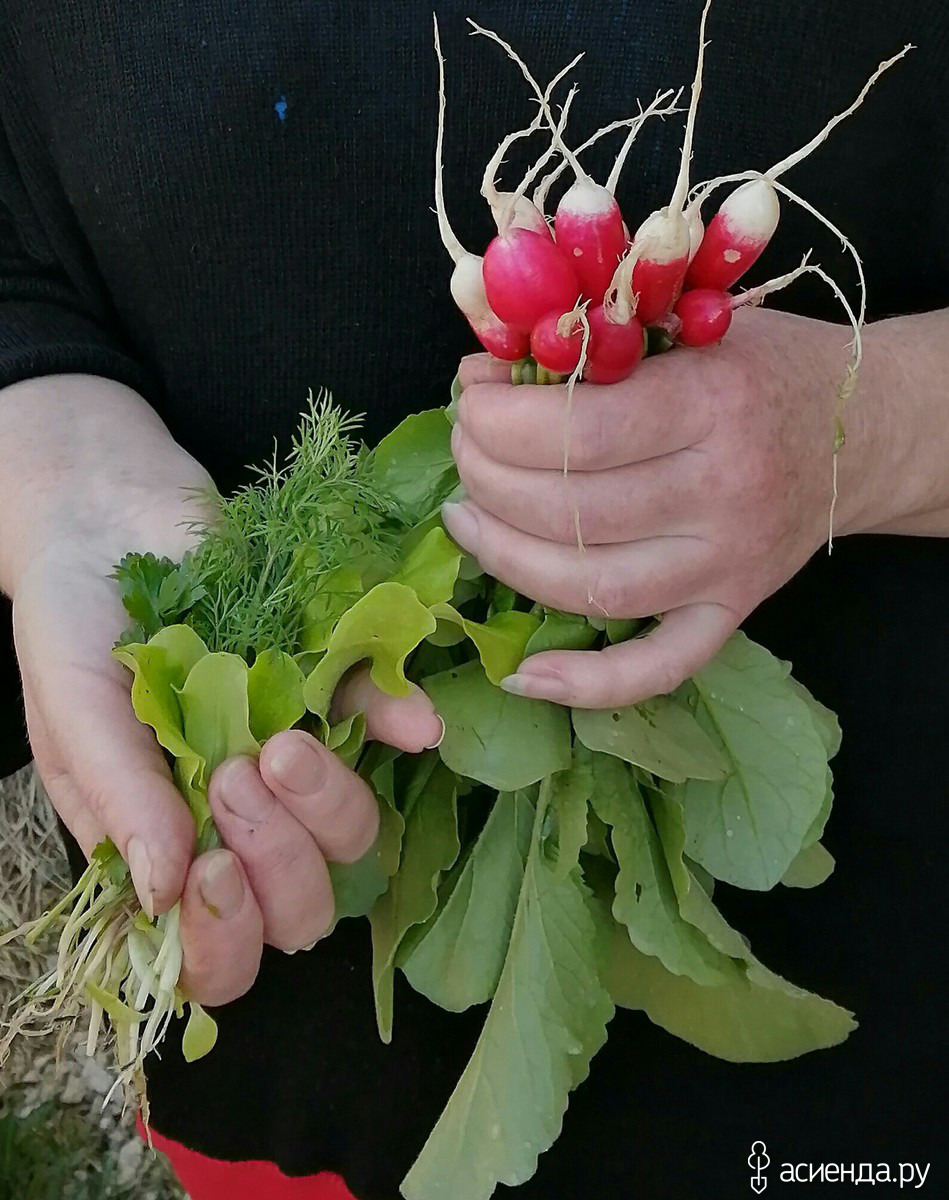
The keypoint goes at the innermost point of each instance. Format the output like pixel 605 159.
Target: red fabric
pixel 212 1179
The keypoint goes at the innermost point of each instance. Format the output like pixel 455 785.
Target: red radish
pixel 588 225
pixel 467 282
pixel 704 315
pixel 736 236
pixel 525 276
pixel 556 342
pixel 661 244
pixel 615 348
pixel 744 225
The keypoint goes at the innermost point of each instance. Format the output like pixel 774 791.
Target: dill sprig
pixel 272 544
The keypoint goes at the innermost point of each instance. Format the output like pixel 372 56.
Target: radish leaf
pixel 645 900
pixel 546 1021
pixel 570 793
pixel 456 958
pixel 429 847
pixel 812 867
pixel 748 828
pixel 505 741
pixel 660 736
pixel 414 466
pixel 431 568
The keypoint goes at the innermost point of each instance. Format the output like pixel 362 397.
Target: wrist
pixel 892 468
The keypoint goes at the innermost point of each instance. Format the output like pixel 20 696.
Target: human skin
pixel 89 472
pixel 701 485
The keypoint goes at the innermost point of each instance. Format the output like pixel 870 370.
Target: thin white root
pixel 95 975
pixel 570 320
pixel 620 301
pixel 489 183
pixel 655 109
pixel 509 203
pixel 702 191
pixel 633 124
pixel 449 240
pixel 848 386
pixel 752 297
pixel 535 87
pixel 575 376
pixel 844 240
pixel 677 203
pixel 793 159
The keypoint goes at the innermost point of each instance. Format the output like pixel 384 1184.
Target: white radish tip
pixel 586 198
pixel 663 237
pixel 752 211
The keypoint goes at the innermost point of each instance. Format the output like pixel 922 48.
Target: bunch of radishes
pixel 576 294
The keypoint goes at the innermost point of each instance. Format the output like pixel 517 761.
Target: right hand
pixel 280 820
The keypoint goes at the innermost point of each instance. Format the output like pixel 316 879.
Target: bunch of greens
pixel 548 862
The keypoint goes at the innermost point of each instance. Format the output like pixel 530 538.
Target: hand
pixel 700 486
pixel 281 820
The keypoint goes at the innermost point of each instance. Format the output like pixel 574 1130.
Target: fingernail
pixel 441 736
pixel 221 887
pixel 140 865
pixel 456 436
pixel 243 792
pixel 298 768
pixel 462 524
pixel 534 687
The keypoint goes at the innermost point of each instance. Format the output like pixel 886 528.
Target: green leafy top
pixel 272 544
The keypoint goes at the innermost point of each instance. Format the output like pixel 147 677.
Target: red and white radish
pixel 662 243
pixel 467 281
pixel 744 225
pixel 589 226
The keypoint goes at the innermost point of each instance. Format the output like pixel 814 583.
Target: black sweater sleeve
pixel 49 323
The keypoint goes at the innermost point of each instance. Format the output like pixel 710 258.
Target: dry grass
pixel 56 1139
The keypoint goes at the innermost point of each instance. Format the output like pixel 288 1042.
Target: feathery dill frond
pixel 277 538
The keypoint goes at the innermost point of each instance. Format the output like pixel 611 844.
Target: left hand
pixel 701 485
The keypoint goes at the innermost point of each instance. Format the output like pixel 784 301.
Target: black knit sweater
pixel 224 204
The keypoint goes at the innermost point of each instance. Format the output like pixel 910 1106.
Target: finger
pixel 634 579
pixel 76 815
pixel 286 870
pixel 683 642
pixel 619 504
pixel 650 414
pixel 332 802
pixel 221 930
pixel 409 723
pixel 118 771
pixel 483 368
